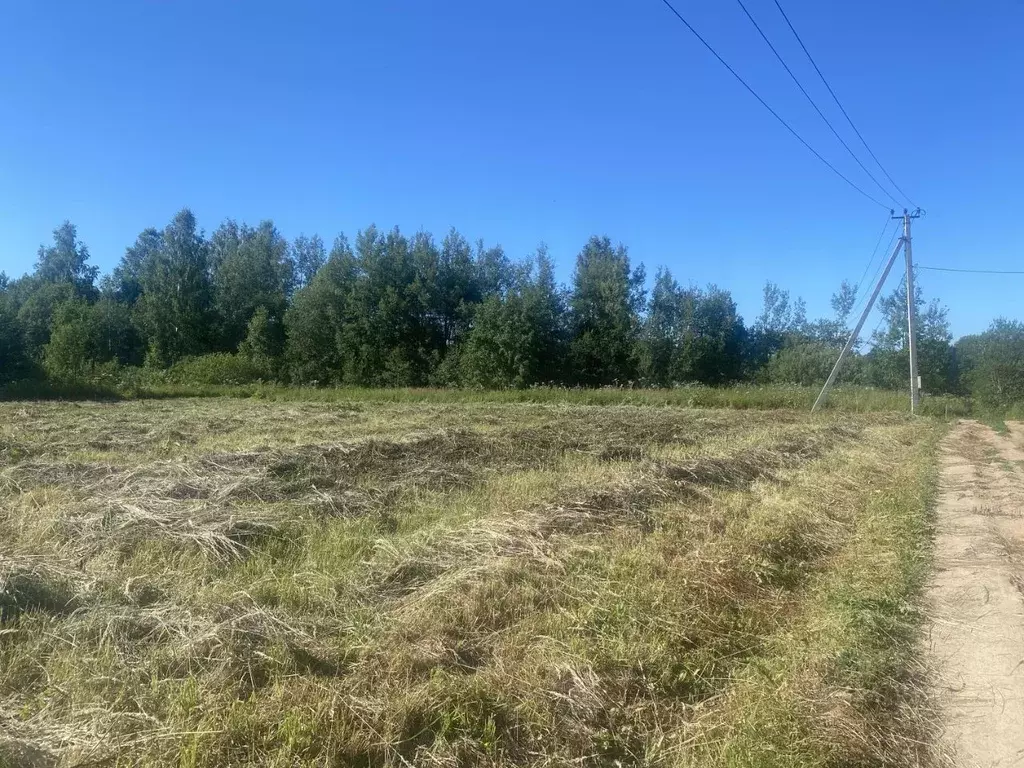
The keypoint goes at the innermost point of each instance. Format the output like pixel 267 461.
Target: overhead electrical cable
pixel 862 300
pixel 973 271
pixel 874 253
pixel 765 104
pixel 840 105
pixel 814 104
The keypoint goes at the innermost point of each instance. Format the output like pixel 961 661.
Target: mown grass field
pixel 208 582
pixel 140 384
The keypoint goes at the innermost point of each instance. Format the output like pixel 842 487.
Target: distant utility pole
pixel 915 380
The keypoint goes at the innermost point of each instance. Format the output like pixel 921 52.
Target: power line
pixel 840 104
pixel 764 104
pixel 874 253
pixel 881 264
pixel 871 260
pixel 814 104
pixel 973 271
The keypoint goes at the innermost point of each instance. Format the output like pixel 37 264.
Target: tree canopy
pixel 389 309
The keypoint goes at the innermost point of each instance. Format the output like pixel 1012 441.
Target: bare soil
pixel 977 638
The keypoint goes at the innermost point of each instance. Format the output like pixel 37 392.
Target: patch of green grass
pixel 996 422
pixel 845 685
pixel 742 396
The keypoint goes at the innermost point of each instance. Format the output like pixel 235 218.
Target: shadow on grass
pixel 47 390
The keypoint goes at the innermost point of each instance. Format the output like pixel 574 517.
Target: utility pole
pixel 915 377
pixel 915 382
pixel 856 331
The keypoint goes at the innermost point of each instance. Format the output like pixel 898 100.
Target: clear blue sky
pixel 525 121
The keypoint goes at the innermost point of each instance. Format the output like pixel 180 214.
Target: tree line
pixel 387 309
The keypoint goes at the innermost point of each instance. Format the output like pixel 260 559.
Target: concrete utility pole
pixel 915 382
pixel 915 377
pixel 856 331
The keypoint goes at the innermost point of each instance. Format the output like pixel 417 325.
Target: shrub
pixel 85 335
pixel 264 342
pixel 218 368
pixel 807 364
pixel 996 376
pixel 68 355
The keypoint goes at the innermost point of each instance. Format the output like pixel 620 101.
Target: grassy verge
pixel 229 581
pixel 844 684
pixel 740 397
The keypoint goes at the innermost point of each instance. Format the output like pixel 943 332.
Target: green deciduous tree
pixel 781 321
pixel 115 335
pixel 125 282
pixel 396 311
pixel 264 342
pixel 449 283
pixel 834 331
pixel 84 335
pixel 66 261
pixel 62 272
pixel 809 363
pixel 495 274
pixel 690 335
pixel 383 341
pixel 662 332
pixel 317 318
pixel 546 306
pixel 994 364
pixel 605 304
pixel 251 268
pixel 889 360
pixel 713 337
pixel 14 359
pixel 35 315
pixel 175 306
pixel 308 255
pixel 808 350
pixel 498 351
pixel 517 338
pixel 69 353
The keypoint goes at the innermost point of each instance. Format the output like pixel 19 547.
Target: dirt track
pixel 977 638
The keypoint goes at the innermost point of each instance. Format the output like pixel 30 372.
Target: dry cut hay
pixel 94 529
pixel 222 504
pixel 455 558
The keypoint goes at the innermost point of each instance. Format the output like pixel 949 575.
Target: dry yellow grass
pixel 229 582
